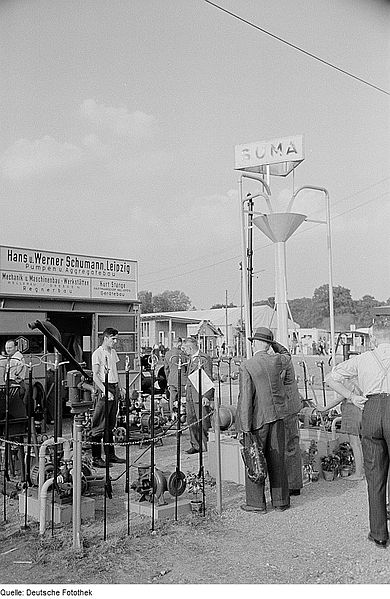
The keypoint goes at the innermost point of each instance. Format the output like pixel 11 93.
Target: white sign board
pixel 286 152
pixel 36 273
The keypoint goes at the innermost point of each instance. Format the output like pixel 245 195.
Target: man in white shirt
pixel 105 359
pixel 198 431
pixel 372 370
pixel 17 367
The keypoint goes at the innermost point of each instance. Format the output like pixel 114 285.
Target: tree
pixel 231 305
pixel 171 301
pixel 145 297
pixel 342 300
pixel 303 312
pixel 167 301
pixel 363 309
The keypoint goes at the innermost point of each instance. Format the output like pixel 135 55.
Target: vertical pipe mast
pixel 152 464
pixel 127 407
pixel 330 271
pixel 281 293
pixel 76 480
pixel 200 436
pixel 178 431
pixel 106 450
pixel 247 317
pixel 244 251
pixel 217 432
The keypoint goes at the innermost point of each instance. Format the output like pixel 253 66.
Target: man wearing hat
pixel 261 408
pixel 171 361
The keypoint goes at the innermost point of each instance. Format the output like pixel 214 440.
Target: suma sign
pixel 277 156
pixel 25 272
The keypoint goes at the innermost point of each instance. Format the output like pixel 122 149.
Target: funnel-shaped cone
pixel 279 226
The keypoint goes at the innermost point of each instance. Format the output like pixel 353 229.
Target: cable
pixel 232 14
pixel 150 274
pixel 205 267
pixel 353 195
pixel 189 272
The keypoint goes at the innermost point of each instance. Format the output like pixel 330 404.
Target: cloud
pixel 114 138
pixel 96 147
pixel 208 223
pixel 132 125
pixel 40 157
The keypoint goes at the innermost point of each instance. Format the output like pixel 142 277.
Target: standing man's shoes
pixel 381 544
pixel 282 508
pixel 192 450
pixel 250 508
pixel 116 460
pixel 98 463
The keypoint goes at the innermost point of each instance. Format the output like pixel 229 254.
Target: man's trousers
pixel 99 422
pixel 293 452
pixel 173 395
pixel 272 437
pixel 376 448
pixel 192 409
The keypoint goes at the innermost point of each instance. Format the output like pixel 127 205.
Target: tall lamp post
pixel 244 238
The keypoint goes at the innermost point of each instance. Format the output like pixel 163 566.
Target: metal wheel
pixel 177 484
pixel 120 434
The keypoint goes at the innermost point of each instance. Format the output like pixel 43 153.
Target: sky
pixel 119 121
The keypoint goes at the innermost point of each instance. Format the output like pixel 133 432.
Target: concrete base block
pixel 144 508
pixel 325 443
pixel 232 465
pixel 62 512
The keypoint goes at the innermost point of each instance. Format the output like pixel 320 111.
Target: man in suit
pixel 261 409
pixel 171 360
pixel 372 370
pixel 291 427
pixel 197 432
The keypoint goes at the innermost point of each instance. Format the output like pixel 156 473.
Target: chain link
pixel 173 433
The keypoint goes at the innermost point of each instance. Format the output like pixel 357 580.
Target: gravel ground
pixel 322 539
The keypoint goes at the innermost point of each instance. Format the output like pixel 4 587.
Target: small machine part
pixel 183 412
pixel 227 416
pixel 120 434
pixel 79 389
pixel 309 417
pixel 163 481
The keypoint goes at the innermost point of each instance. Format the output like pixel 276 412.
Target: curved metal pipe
pixel 50 332
pixel 330 259
pixel 333 428
pixel 260 195
pixel 42 504
pixel 257 177
pixel 42 454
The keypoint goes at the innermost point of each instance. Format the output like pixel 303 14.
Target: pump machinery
pixel 44 463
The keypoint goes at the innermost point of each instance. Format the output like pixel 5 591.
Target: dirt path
pixel 321 539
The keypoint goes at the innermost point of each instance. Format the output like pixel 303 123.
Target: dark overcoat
pixel 262 398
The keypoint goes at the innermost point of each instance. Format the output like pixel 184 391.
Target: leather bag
pixel 253 457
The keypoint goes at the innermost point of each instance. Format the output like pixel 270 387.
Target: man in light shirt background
pixel 104 359
pixel 15 361
pixel 372 371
